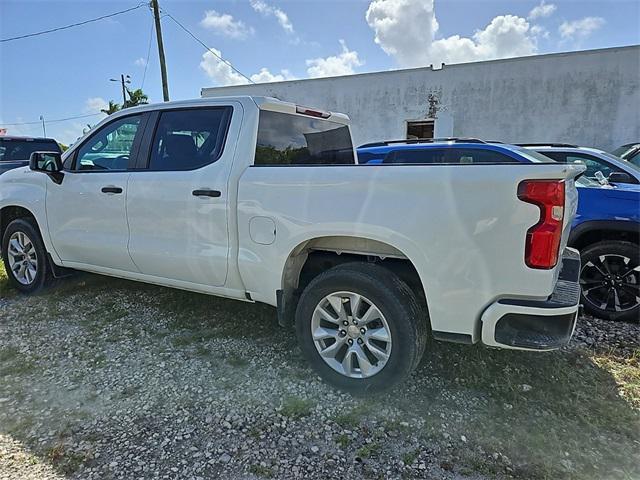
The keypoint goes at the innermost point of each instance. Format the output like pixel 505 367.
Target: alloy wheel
pixel 611 282
pixel 351 334
pixel 23 259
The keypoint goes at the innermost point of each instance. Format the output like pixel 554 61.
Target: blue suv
pixel 606 228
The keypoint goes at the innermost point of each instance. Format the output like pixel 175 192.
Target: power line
pixel 72 25
pixel 146 63
pixel 51 121
pixel 205 46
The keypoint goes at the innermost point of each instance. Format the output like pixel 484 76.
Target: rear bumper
pixel 535 324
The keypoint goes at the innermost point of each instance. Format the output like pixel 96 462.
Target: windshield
pixel 620 151
pixel 12 150
pixel 618 159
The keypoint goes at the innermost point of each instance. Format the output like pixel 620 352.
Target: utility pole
pixel 163 65
pixel 124 79
pixel 44 130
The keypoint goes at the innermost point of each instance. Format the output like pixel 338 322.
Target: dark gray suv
pixel 15 151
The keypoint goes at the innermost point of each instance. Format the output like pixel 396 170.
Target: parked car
pixel 615 169
pixel 261 200
pixel 629 152
pixel 606 228
pixel 15 151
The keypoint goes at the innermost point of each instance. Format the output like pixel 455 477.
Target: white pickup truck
pixel 260 200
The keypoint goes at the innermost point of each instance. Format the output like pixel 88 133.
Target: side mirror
pixel 620 177
pixel 49 163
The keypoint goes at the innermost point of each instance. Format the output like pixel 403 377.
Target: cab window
pixel 111 147
pixel 190 138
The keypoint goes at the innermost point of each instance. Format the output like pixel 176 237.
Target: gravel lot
pixel 102 378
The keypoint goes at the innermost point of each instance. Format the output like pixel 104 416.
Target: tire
pixel 608 273
pixel 396 316
pixel 27 230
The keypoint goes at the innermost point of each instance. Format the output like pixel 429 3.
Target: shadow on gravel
pixel 105 371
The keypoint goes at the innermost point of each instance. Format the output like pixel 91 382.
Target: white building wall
pixel 590 98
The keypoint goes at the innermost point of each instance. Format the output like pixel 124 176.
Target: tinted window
pixel 635 159
pixel 473 155
pixel 447 156
pixel 427 155
pixel 110 148
pixel 286 139
pixel 19 149
pixel 593 164
pixel 189 139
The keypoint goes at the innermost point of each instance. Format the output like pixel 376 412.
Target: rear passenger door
pixel 178 196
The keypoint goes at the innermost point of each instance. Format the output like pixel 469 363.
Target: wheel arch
pixel 10 213
pixel 314 255
pixel 594 231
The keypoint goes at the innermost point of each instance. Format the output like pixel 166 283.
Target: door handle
pixel 206 193
pixel 111 190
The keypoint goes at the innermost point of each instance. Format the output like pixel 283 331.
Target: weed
pixel 409 457
pixel 343 440
pixel 295 407
pixel 237 361
pixel 369 450
pixel 261 471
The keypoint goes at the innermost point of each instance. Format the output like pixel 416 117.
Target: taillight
pixel 543 239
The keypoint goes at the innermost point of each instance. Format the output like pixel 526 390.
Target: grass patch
pixel 237 360
pixel 343 440
pixel 261 471
pixel 409 457
pixel 354 417
pixel 579 418
pixel 295 407
pixel 369 450
pixel 66 462
pixel 13 362
pixel 9 353
pixel 4 282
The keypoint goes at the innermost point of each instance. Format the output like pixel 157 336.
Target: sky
pixel 67 73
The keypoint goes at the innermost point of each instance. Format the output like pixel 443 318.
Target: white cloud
pixel 580 29
pixel 542 10
pixel 219 71
pixel 335 65
pixel 95 104
pixel 539 31
pixel 270 11
pixel 225 24
pixel 406 30
pixel 265 76
pixel 140 62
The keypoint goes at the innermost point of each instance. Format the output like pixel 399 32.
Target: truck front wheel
pixel 361 327
pixel 24 256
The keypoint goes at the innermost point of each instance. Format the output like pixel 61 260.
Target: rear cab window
pixel 18 149
pixel 288 139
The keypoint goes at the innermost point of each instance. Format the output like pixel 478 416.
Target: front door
pixel 178 198
pixel 86 213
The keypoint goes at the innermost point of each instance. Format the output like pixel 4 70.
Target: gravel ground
pixel 103 379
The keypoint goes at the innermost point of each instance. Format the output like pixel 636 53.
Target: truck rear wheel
pixel 361 327
pixel 24 256
pixel 610 280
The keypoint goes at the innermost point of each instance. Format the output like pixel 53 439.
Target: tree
pixel 136 97
pixel 112 108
